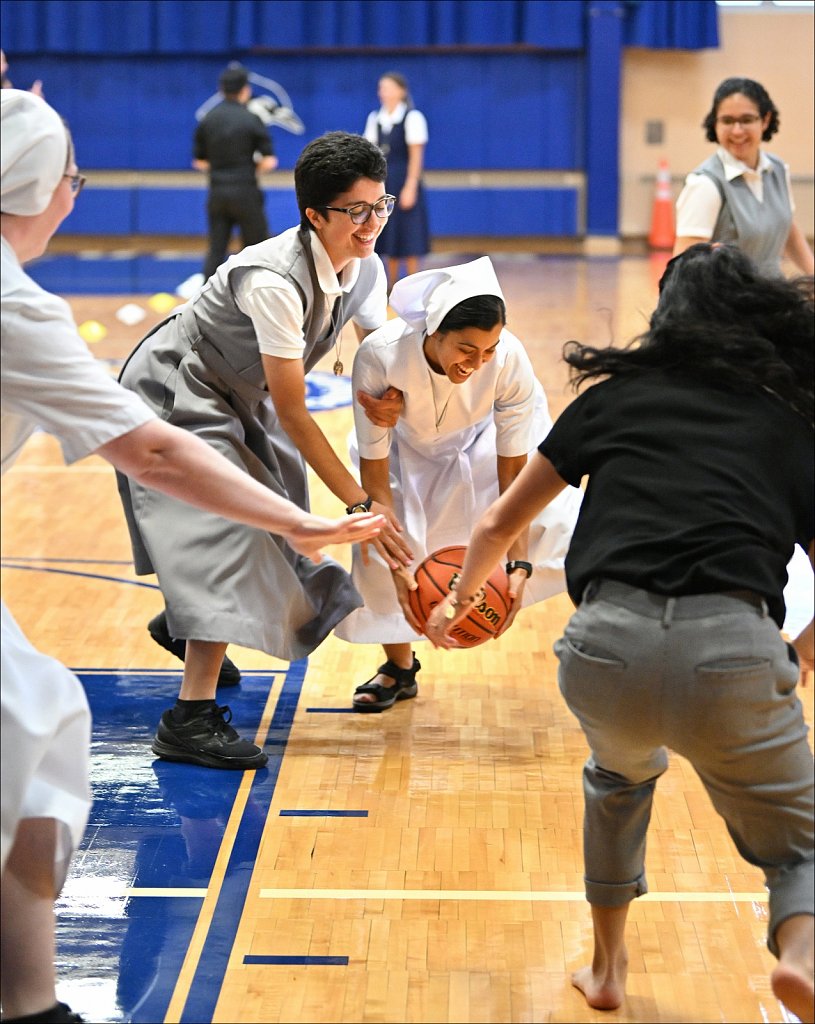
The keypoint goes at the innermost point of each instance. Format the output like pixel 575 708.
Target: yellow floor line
pixel 199 935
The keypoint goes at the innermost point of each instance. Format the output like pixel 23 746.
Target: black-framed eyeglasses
pixel 360 213
pixel 77 182
pixel 746 120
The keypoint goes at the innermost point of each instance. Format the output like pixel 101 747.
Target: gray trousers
pixel 710 677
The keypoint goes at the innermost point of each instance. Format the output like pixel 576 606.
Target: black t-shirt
pixel 228 137
pixel 691 490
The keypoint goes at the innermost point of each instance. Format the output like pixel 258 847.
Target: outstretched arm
pixel 287 386
pixel 174 461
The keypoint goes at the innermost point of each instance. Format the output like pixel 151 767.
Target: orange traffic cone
pixel 663 232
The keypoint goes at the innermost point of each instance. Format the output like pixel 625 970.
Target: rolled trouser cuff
pixel 606 894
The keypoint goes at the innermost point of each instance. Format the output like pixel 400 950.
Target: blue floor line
pixel 330 961
pixel 322 814
pixel 155 827
pixel 208 979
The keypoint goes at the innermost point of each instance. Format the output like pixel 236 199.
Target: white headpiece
pixel 33 153
pixel 423 300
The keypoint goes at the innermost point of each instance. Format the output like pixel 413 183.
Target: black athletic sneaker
pixel 59 1013
pixel 206 738
pixel 157 627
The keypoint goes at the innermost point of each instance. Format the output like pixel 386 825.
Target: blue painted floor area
pixel 158 825
pixel 114 273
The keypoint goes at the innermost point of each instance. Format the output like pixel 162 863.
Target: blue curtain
pixel 670 25
pixel 221 27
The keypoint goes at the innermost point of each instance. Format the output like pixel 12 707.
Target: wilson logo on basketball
pixel 438 574
pixel 492 615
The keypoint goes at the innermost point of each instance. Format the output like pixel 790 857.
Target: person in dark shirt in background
pixel 226 144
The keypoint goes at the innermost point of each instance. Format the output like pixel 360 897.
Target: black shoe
pixel 207 739
pixel 157 627
pixel 59 1013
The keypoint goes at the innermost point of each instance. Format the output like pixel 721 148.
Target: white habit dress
pixel 443 471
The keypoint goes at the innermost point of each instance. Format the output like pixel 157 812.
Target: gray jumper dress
pixel 201 370
pixel 759 229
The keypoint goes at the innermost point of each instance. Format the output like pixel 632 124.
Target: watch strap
pixel 519 563
pixel 361 506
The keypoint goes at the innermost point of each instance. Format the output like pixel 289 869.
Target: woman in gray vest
pixel 742 194
pixel 230 366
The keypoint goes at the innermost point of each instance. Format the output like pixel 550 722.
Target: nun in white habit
pixel 473 411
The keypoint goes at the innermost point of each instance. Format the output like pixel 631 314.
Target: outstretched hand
pixel 442 619
pixel 405 581
pixel 315 532
pixel 392 547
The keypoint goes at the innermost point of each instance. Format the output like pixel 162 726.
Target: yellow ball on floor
pixel 92 331
pixel 163 302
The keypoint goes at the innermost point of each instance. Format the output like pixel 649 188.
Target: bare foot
pixel 603 992
pixel 795 990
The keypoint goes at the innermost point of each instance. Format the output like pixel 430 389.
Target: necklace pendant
pixel 338 368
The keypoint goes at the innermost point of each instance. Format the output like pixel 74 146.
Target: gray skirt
pixel 223 581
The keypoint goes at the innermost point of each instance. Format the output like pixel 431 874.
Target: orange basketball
pixel 435 578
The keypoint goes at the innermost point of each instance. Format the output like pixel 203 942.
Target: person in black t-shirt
pixel 698 447
pixel 225 146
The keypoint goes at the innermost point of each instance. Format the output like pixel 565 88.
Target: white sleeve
pixel 371 132
pixel 50 378
pixel 276 312
pixel 515 401
pixel 697 207
pixel 368 375
pixel 373 311
pixel 415 128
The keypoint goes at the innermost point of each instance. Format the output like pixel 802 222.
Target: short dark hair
pixel 480 311
pixel 233 79
pixel 754 91
pixel 330 165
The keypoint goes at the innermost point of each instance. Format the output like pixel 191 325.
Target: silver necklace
pixel 438 415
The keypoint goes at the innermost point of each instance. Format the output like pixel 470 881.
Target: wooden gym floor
pixel 419 865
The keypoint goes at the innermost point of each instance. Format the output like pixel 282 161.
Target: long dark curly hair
pixel 723 324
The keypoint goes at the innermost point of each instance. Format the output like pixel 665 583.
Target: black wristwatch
pixel 518 563
pixel 365 506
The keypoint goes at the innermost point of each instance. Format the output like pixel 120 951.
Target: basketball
pixel 435 578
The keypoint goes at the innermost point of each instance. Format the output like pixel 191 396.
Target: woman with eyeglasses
pixel 697 441
pixel 741 193
pixel 230 366
pixel 51 382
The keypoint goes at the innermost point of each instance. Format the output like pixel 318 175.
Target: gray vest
pixel 230 332
pixel 759 229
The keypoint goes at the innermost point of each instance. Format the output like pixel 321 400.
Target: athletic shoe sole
pixel 170 753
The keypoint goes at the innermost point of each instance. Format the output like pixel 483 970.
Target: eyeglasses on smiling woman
pixel 360 213
pixel 746 120
pixel 77 182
